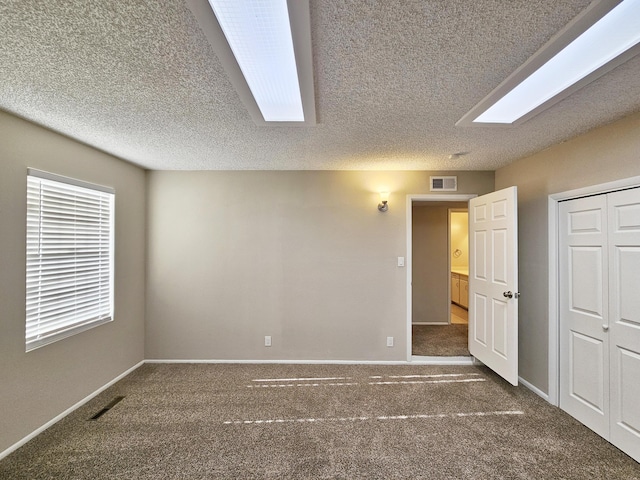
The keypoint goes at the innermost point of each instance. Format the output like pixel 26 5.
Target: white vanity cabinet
pixel 460 287
pixel 464 291
pixel 455 288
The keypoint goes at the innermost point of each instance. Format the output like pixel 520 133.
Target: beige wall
pixel 430 265
pixel 605 154
pixel 302 256
pixel 460 239
pixel 37 386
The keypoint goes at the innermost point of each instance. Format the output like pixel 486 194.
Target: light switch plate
pixel 401 261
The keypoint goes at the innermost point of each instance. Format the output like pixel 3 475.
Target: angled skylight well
pixel 259 34
pixel 604 36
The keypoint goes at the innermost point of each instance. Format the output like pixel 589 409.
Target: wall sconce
pixel 383 206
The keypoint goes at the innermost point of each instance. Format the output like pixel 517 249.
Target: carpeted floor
pixel 440 340
pixel 318 421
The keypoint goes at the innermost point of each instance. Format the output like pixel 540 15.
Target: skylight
pixel 605 40
pixel 259 35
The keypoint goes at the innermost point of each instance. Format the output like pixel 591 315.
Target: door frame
pixel 422 197
pixel 451 210
pixel 553 396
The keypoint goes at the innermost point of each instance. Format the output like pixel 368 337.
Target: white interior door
pixel 493 282
pixel 584 358
pixel 624 319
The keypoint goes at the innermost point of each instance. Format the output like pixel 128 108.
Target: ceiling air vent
pixel 443 184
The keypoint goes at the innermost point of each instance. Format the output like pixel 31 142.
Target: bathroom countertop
pixel 460 270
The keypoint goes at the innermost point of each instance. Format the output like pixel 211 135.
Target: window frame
pixel 69 289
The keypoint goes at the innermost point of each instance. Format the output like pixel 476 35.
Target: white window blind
pixel 69 257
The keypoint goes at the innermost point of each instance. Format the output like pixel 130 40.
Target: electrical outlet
pixel 389 341
pixel 267 341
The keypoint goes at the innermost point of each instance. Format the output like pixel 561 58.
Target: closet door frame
pixel 553 395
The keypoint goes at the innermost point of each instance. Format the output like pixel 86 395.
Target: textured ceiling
pixel 138 79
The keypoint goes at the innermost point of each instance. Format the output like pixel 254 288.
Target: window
pixel 69 257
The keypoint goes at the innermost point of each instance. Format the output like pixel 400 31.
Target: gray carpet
pixel 318 421
pixel 440 340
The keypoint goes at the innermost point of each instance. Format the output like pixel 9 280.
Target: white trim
pixel 69 410
pixel 554 344
pixel 416 360
pixel 554 325
pixel 421 197
pixel 419 360
pixel 607 187
pixel 450 254
pixel 533 388
pixel 477 362
pixel 287 362
pixel 430 323
pixel 33 172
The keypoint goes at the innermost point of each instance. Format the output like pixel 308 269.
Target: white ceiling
pixel 138 79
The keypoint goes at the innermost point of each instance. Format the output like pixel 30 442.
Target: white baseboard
pixel 57 418
pixel 430 323
pixel 533 388
pixel 290 362
pixel 415 360
pixel 419 360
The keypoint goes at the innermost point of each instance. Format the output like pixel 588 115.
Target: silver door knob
pixel 508 294
pixel 605 327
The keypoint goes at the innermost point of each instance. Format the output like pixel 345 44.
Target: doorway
pixel 459 265
pixel 429 266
